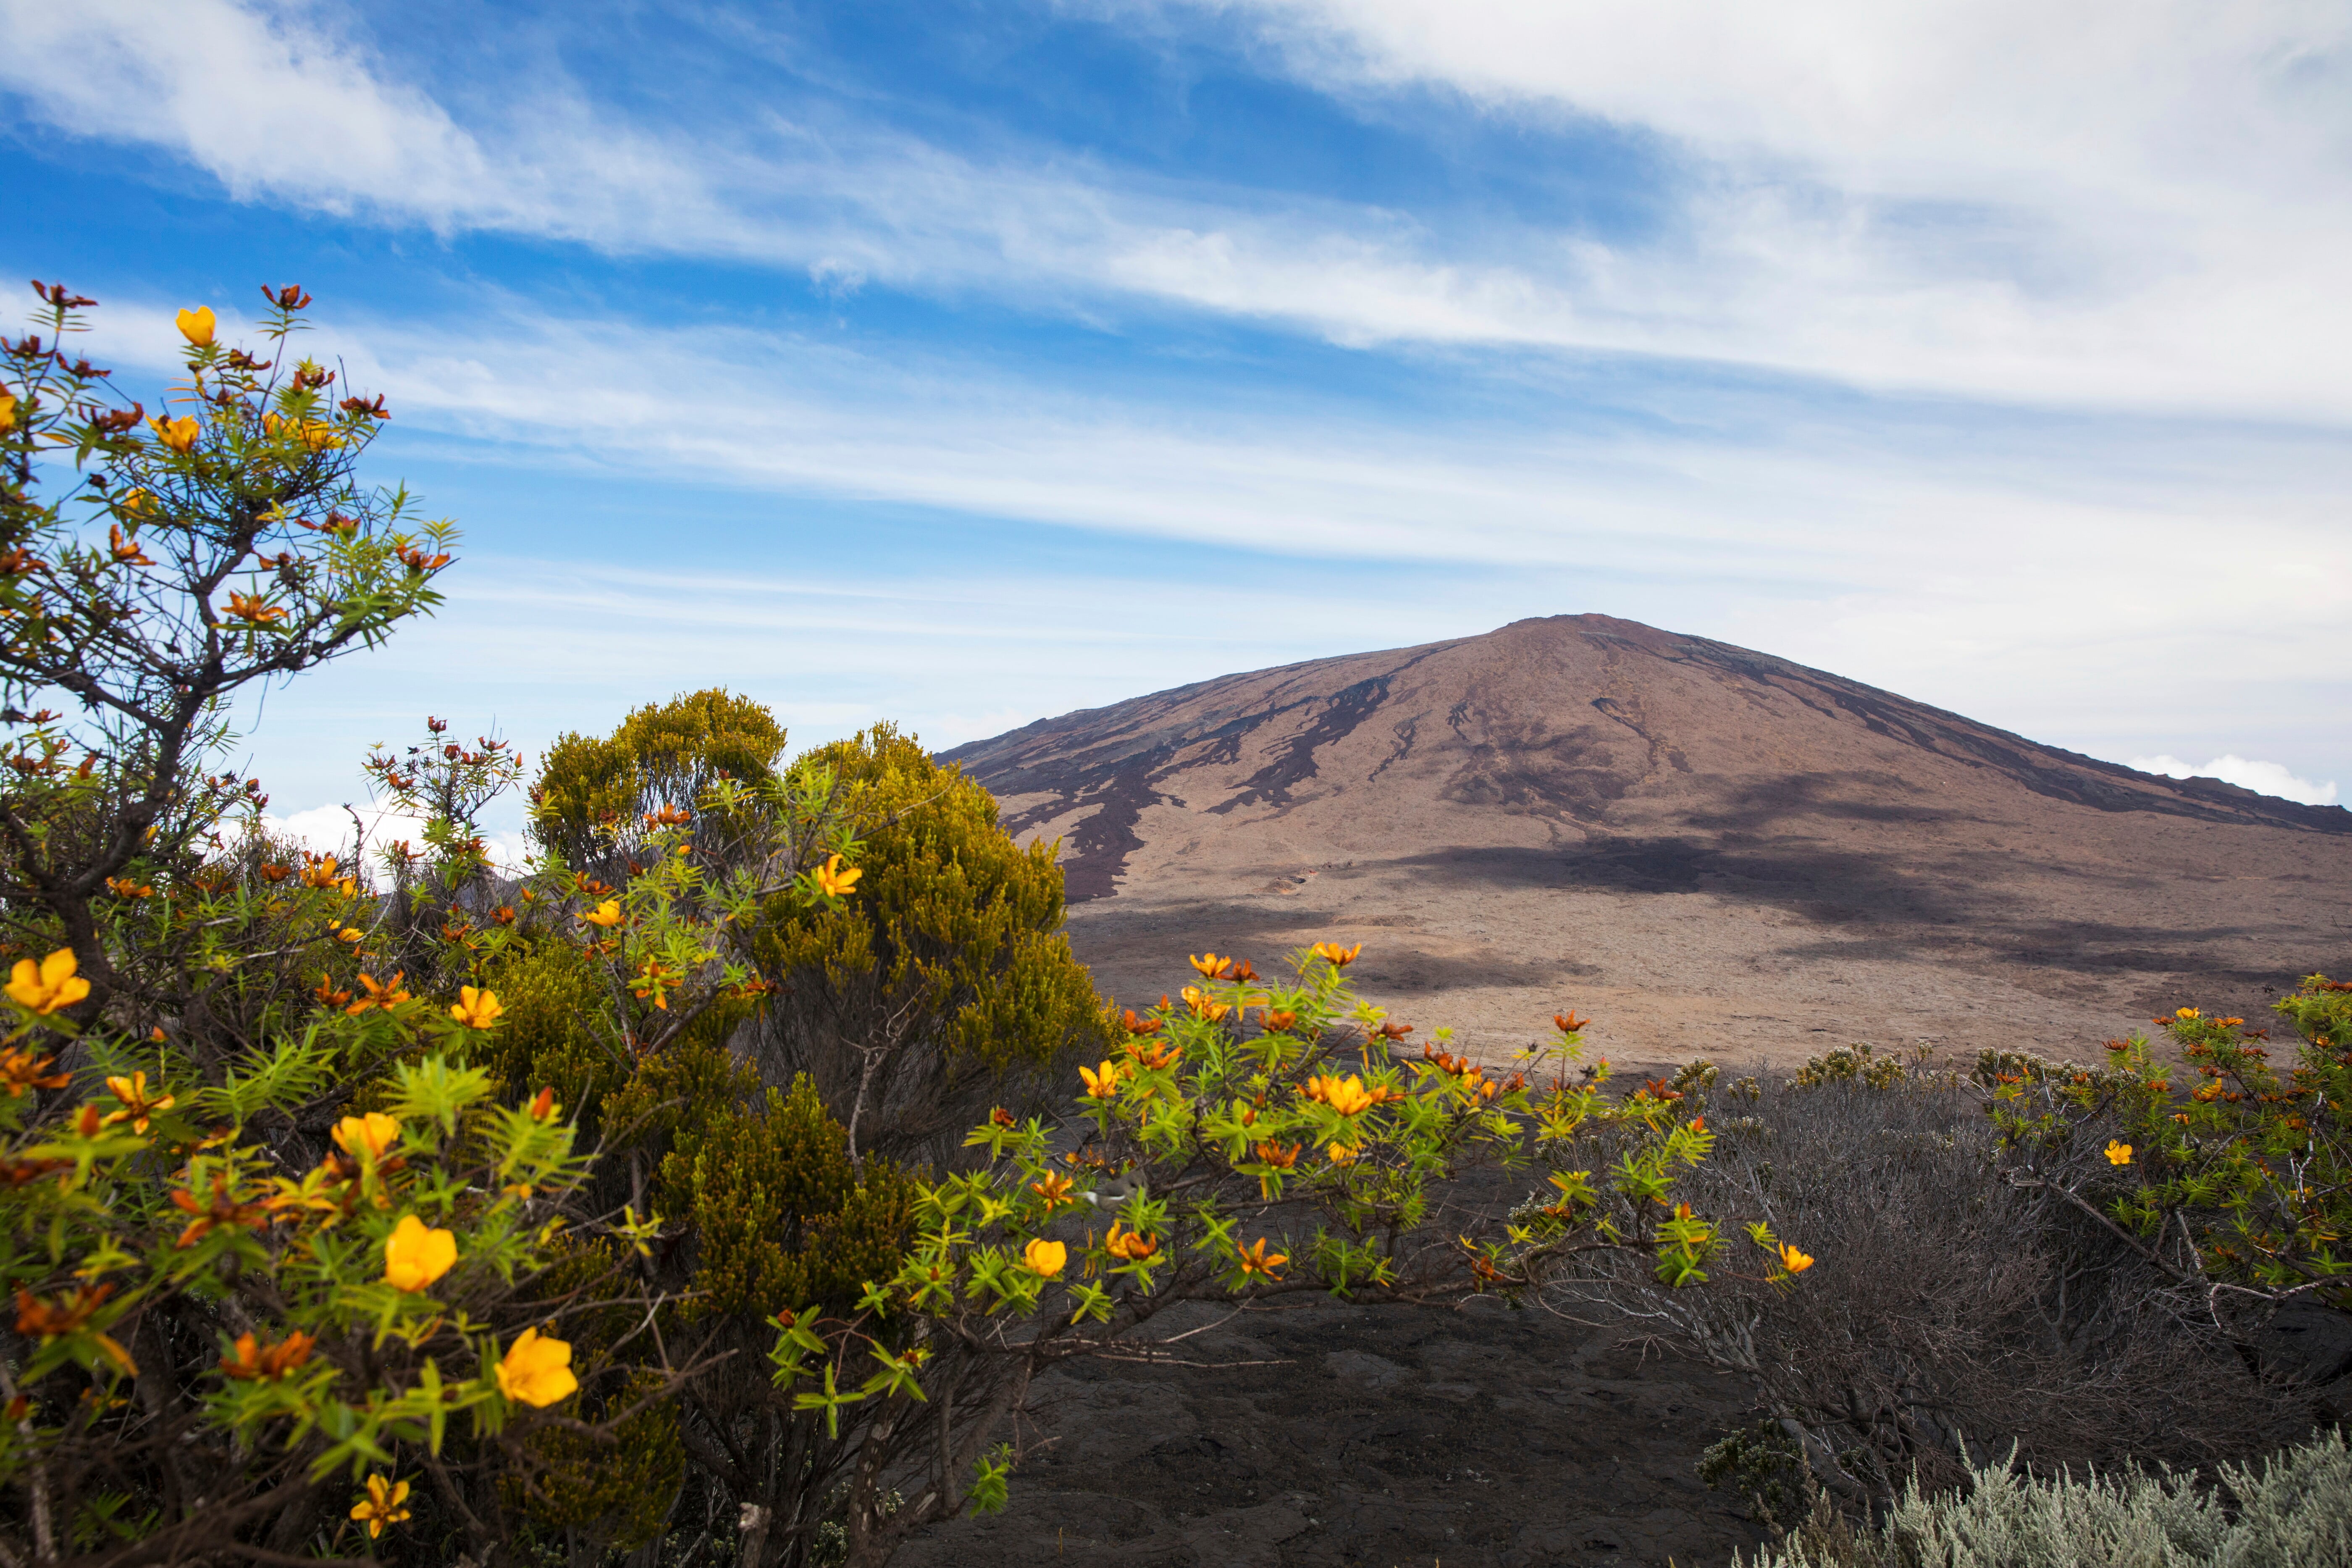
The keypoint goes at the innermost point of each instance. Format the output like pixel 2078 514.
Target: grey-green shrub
pixel 2294 1510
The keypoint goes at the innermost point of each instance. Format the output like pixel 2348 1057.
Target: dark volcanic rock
pixel 1716 851
pixel 1484 1438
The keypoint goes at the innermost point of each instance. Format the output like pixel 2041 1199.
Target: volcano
pixel 1713 851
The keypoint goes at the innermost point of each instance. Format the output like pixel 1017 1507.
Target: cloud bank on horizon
pixel 964 363
pixel 2263 778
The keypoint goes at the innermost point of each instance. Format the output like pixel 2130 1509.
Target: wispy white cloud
pixel 2108 520
pixel 2024 580
pixel 2263 778
pixel 2135 207
pixel 2154 103
pixel 2007 197
pixel 265 98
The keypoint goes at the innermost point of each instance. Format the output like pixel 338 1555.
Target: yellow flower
pixel 836 882
pixel 537 1370
pixel 1338 957
pixel 367 1136
pixel 1053 1187
pixel 7 412
pixel 312 433
pixel 180 434
pixel 386 993
pixel 136 1107
pixel 1347 1095
pixel 606 914
pixel 1046 1257
pixel 49 984
pixel 1795 1261
pixel 1342 1156
pixel 382 1506
pixel 2191 1014
pixel 414 1256
pixel 476 1009
pixel 196 326
pixel 21 1070
pixel 1203 1005
pixel 1257 1260
pixel 1133 1244
pixel 1211 966
pixel 1103 1084
pixel 2119 1153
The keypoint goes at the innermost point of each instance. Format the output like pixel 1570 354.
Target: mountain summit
pixel 1582 810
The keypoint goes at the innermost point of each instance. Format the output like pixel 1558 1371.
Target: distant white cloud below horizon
pixel 963 364
pixel 2263 778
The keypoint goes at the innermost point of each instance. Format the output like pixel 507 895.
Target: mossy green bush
pixel 782 1219
pixel 947 986
pixel 603 1491
pixel 595 789
pixel 552 996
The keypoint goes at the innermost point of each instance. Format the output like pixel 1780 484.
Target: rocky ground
pixel 1385 1438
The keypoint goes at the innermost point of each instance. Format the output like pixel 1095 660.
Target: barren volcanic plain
pixel 1711 851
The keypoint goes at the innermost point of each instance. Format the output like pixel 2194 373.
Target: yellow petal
pixel 414 1255
pixel 537 1370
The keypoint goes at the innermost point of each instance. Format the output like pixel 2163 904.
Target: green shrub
pixel 1848 1063
pixel 2230 1178
pixel 1765 1467
pixel 552 996
pixel 947 985
pixel 594 791
pixel 781 1217
pixel 604 1489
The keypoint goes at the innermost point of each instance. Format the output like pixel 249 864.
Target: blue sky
pixel 968 363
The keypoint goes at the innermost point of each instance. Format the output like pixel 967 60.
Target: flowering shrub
pixel 2231 1177
pixel 946 986
pixel 239 545
pixel 316 1317
pixel 279 1245
pixel 1253 1140
pixel 1953 1314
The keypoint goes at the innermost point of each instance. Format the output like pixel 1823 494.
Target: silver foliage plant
pixel 2293 1511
